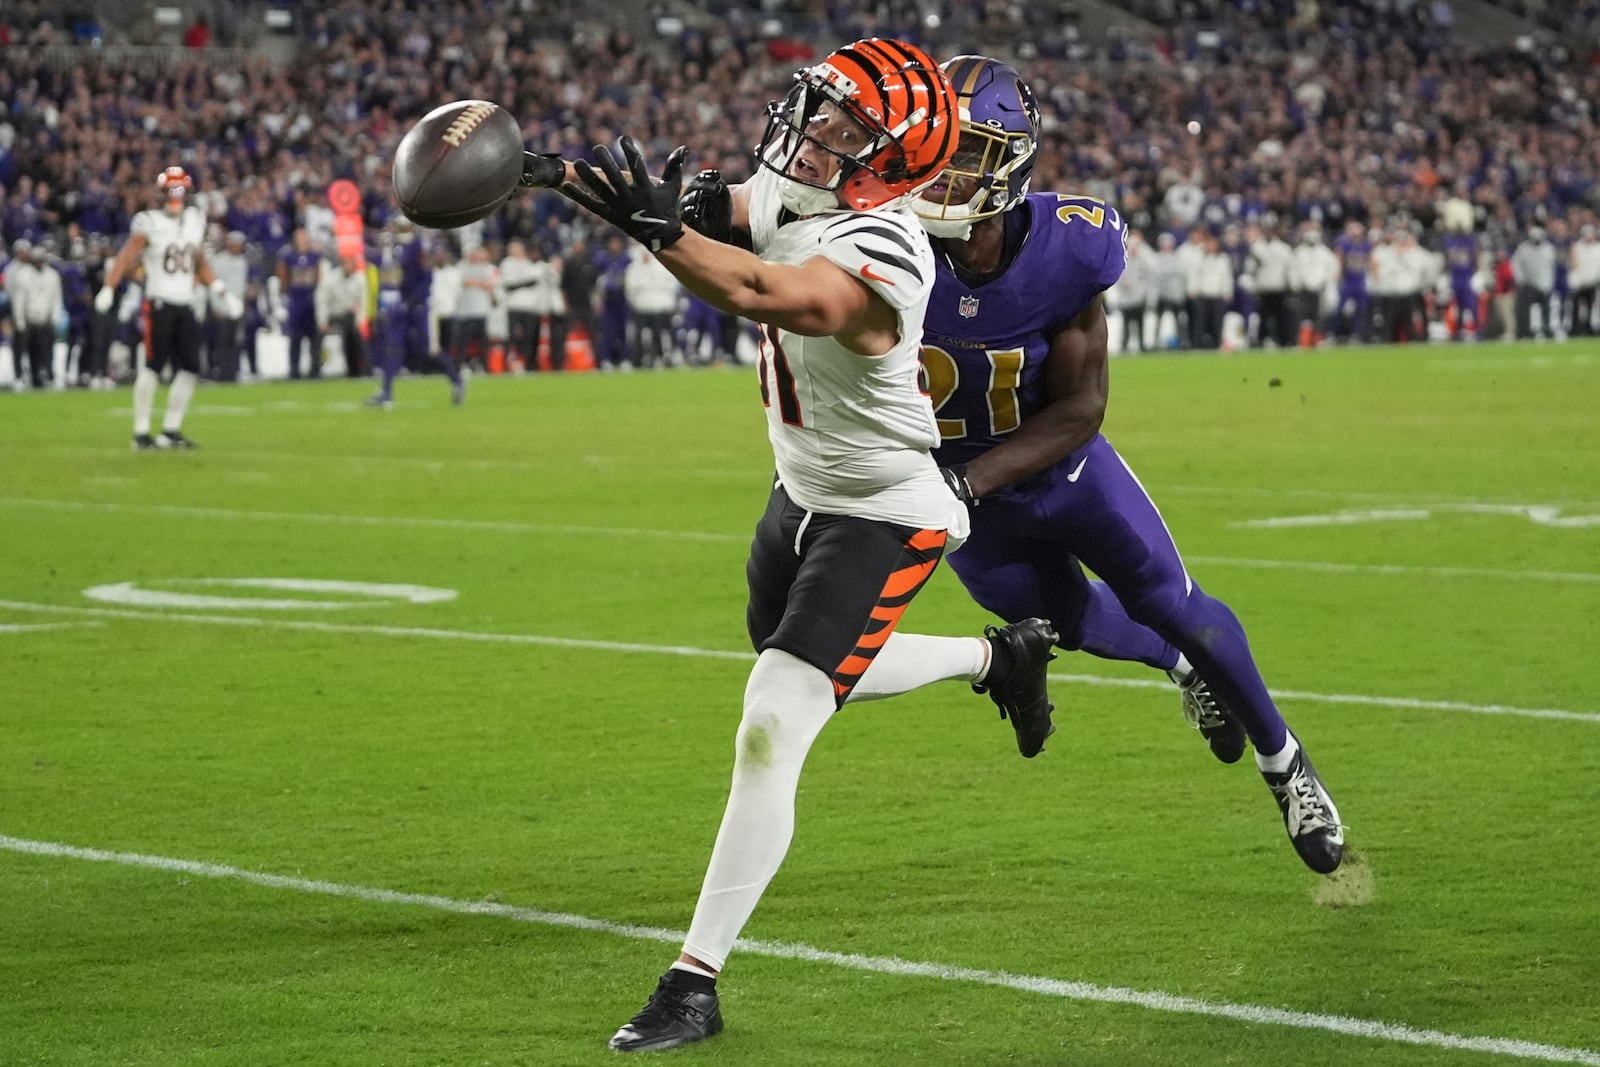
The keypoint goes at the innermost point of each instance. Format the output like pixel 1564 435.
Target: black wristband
pixel 542 171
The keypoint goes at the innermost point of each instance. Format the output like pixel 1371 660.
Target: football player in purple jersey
pixel 405 280
pixel 1014 351
pixel 1354 313
pixel 299 267
pixel 1460 248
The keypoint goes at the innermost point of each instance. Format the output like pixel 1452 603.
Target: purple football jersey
pixel 984 348
pixel 1461 256
pixel 1354 254
pixel 302 269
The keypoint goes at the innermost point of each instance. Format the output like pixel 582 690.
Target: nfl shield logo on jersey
pixel 968 306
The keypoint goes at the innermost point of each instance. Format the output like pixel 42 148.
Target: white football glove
pixel 233 306
pixel 104 299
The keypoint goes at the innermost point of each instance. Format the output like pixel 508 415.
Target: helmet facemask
pixel 821 117
pixel 989 174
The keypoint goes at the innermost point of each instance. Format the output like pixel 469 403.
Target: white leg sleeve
pixel 911 661
pixel 786 704
pixel 144 398
pixel 178 395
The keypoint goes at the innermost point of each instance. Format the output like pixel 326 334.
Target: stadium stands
pixel 1229 111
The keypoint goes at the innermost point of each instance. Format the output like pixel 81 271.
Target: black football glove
pixel 956 479
pixel 707 206
pixel 542 171
pixel 639 206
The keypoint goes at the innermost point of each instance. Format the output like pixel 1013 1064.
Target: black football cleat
pixel 674 1015
pixel 1019 654
pixel 143 442
pixel 1210 716
pixel 174 439
pixel 1308 814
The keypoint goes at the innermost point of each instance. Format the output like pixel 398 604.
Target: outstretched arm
pixel 1077 384
pixel 816 298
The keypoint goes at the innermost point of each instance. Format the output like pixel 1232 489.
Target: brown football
pixel 459 163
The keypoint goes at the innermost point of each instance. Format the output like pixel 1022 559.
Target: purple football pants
pixel 1026 555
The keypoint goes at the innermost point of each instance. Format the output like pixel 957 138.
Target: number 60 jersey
pixel 852 434
pixel 172 244
pixel 984 348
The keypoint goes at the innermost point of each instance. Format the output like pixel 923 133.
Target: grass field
pixel 461 831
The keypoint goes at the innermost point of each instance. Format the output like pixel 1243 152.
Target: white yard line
pixel 37 627
pixel 487 526
pixel 483 525
pixel 1151 1000
pixel 430 633
pixel 1396 569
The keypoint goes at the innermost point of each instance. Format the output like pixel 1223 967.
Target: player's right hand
pixel 706 206
pixel 542 171
pixel 956 479
pixel 104 299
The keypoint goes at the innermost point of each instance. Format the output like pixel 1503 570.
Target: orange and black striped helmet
pixel 905 108
pixel 174 182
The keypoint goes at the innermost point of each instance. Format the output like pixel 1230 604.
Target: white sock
pixel 679 965
pixel 144 398
pixel 178 400
pixel 1279 761
pixel 1183 668
pixel 786 704
pixel 911 661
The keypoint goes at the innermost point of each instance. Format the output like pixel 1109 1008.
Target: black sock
pixel 999 661
pixel 679 978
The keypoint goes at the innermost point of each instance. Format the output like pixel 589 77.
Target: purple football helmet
pixel 994 159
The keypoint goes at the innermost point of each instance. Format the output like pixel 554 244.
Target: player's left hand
pixel 956 478
pixel 639 206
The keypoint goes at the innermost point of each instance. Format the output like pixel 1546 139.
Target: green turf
pixel 589 780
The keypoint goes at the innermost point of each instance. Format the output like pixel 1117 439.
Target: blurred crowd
pixel 1236 114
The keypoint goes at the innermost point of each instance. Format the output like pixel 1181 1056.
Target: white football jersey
pixel 172 247
pixel 851 434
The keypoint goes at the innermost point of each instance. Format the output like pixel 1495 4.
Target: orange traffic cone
pixel 580 353
pixel 497 358
pixel 1308 336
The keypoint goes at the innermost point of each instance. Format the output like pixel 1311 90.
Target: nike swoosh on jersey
pixel 871 275
pixel 1073 477
pixel 640 216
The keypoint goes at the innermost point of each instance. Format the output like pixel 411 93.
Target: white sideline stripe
pixel 1354 698
pixel 1050 987
pixel 714 653
pixel 36 627
pixel 1396 569
pixel 1434 499
pixel 383 631
pixel 181 511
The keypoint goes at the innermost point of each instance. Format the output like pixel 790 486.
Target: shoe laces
pixel 1200 707
pixel 1305 805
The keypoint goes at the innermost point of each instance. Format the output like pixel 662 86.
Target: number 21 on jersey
pixel 943 377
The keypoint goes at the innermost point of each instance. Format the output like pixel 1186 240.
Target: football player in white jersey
pixel 168 243
pixel 838 277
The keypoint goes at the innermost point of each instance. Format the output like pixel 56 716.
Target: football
pixel 458 164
